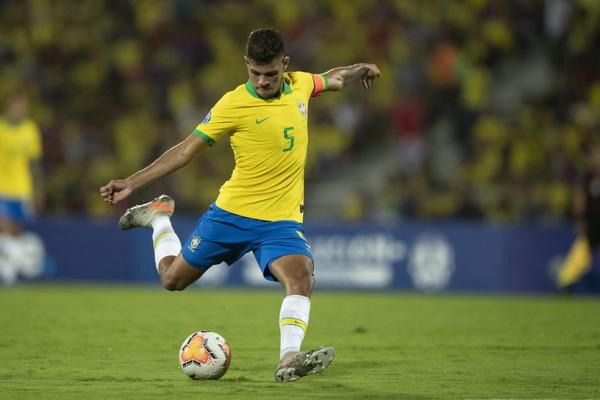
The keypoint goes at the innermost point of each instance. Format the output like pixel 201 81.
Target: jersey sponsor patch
pixel 206 119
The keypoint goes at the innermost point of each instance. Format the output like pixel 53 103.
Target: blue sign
pixel 463 257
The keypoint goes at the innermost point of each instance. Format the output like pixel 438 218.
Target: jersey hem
pixel 225 208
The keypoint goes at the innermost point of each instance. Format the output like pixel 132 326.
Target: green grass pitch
pixel 104 342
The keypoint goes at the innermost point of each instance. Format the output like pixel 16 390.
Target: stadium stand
pixel 473 117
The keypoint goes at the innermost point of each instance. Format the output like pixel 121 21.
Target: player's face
pixel 16 109
pixel 267 78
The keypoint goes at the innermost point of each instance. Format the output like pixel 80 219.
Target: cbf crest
pixel 302 109
pixel 207 119
pixel 194 243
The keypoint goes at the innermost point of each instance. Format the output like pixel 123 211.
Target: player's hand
pixel 371 73
pixel 115 191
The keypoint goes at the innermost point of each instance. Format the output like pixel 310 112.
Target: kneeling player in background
pixel 21 252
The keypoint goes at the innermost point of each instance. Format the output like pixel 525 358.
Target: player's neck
pixel 275 95
pixel 12 121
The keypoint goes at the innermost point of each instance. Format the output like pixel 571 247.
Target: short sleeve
pixel 219 121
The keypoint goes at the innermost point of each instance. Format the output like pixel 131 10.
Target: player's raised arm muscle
pixel 173 159
pixel 339 77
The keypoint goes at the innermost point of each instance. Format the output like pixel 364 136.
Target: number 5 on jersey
pixel 289 137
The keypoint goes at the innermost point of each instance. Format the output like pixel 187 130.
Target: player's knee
pixel 306 272
pixel 301 280
pixel 305 275
pixel 171 283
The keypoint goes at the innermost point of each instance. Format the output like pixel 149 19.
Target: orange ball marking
pixel 195 351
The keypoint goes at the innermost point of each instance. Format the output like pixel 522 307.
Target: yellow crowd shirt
pixel 269 138
pixel 20 143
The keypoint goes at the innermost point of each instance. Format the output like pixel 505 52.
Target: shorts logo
pixel 194 243
pixel 206 119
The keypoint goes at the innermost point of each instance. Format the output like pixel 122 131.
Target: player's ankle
pixel 160 220
pixel 288 357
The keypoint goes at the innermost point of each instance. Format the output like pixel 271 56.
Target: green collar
pixel 286 89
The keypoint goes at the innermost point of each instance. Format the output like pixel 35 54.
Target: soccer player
pixel 260 208
pixel 20 186
pixel 586 207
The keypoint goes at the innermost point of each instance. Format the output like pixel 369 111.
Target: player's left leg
pixel 215 239
pixel 295 273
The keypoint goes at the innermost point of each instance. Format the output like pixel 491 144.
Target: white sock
pixel 12 248
pixel 8 272
pixel 166 242
pixel 293 321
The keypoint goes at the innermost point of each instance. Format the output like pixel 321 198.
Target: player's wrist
pixel 132 183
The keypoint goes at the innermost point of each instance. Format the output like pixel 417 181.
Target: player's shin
pixel 293 321
pixel 166 242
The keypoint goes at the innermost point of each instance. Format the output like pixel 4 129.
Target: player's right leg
pixel 174 272
pixel 212 241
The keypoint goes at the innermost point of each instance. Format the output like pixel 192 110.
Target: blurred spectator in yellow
pixel 21 188
pixel 484 106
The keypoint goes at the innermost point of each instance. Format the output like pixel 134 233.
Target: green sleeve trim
pixel 325 81
pixel 204 136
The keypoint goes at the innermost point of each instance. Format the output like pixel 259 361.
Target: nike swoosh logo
pixel 260 121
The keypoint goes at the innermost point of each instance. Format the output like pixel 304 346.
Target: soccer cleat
pixel 305 363
pixel 143 214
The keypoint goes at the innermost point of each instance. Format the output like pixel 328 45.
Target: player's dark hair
pixel 264 45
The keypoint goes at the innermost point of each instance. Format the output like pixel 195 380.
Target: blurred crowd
pixel 486 107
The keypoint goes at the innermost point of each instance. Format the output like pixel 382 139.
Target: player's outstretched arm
pixel 173 159
pixel 339 77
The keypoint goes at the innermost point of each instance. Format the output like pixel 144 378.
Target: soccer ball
pixel 204 355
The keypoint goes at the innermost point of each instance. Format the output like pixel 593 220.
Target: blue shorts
pixel 14 210
pixel 222 236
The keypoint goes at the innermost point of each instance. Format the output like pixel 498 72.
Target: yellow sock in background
pixel 578 262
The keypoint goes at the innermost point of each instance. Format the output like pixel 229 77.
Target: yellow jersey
pixel 269 138
pixel 20 143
